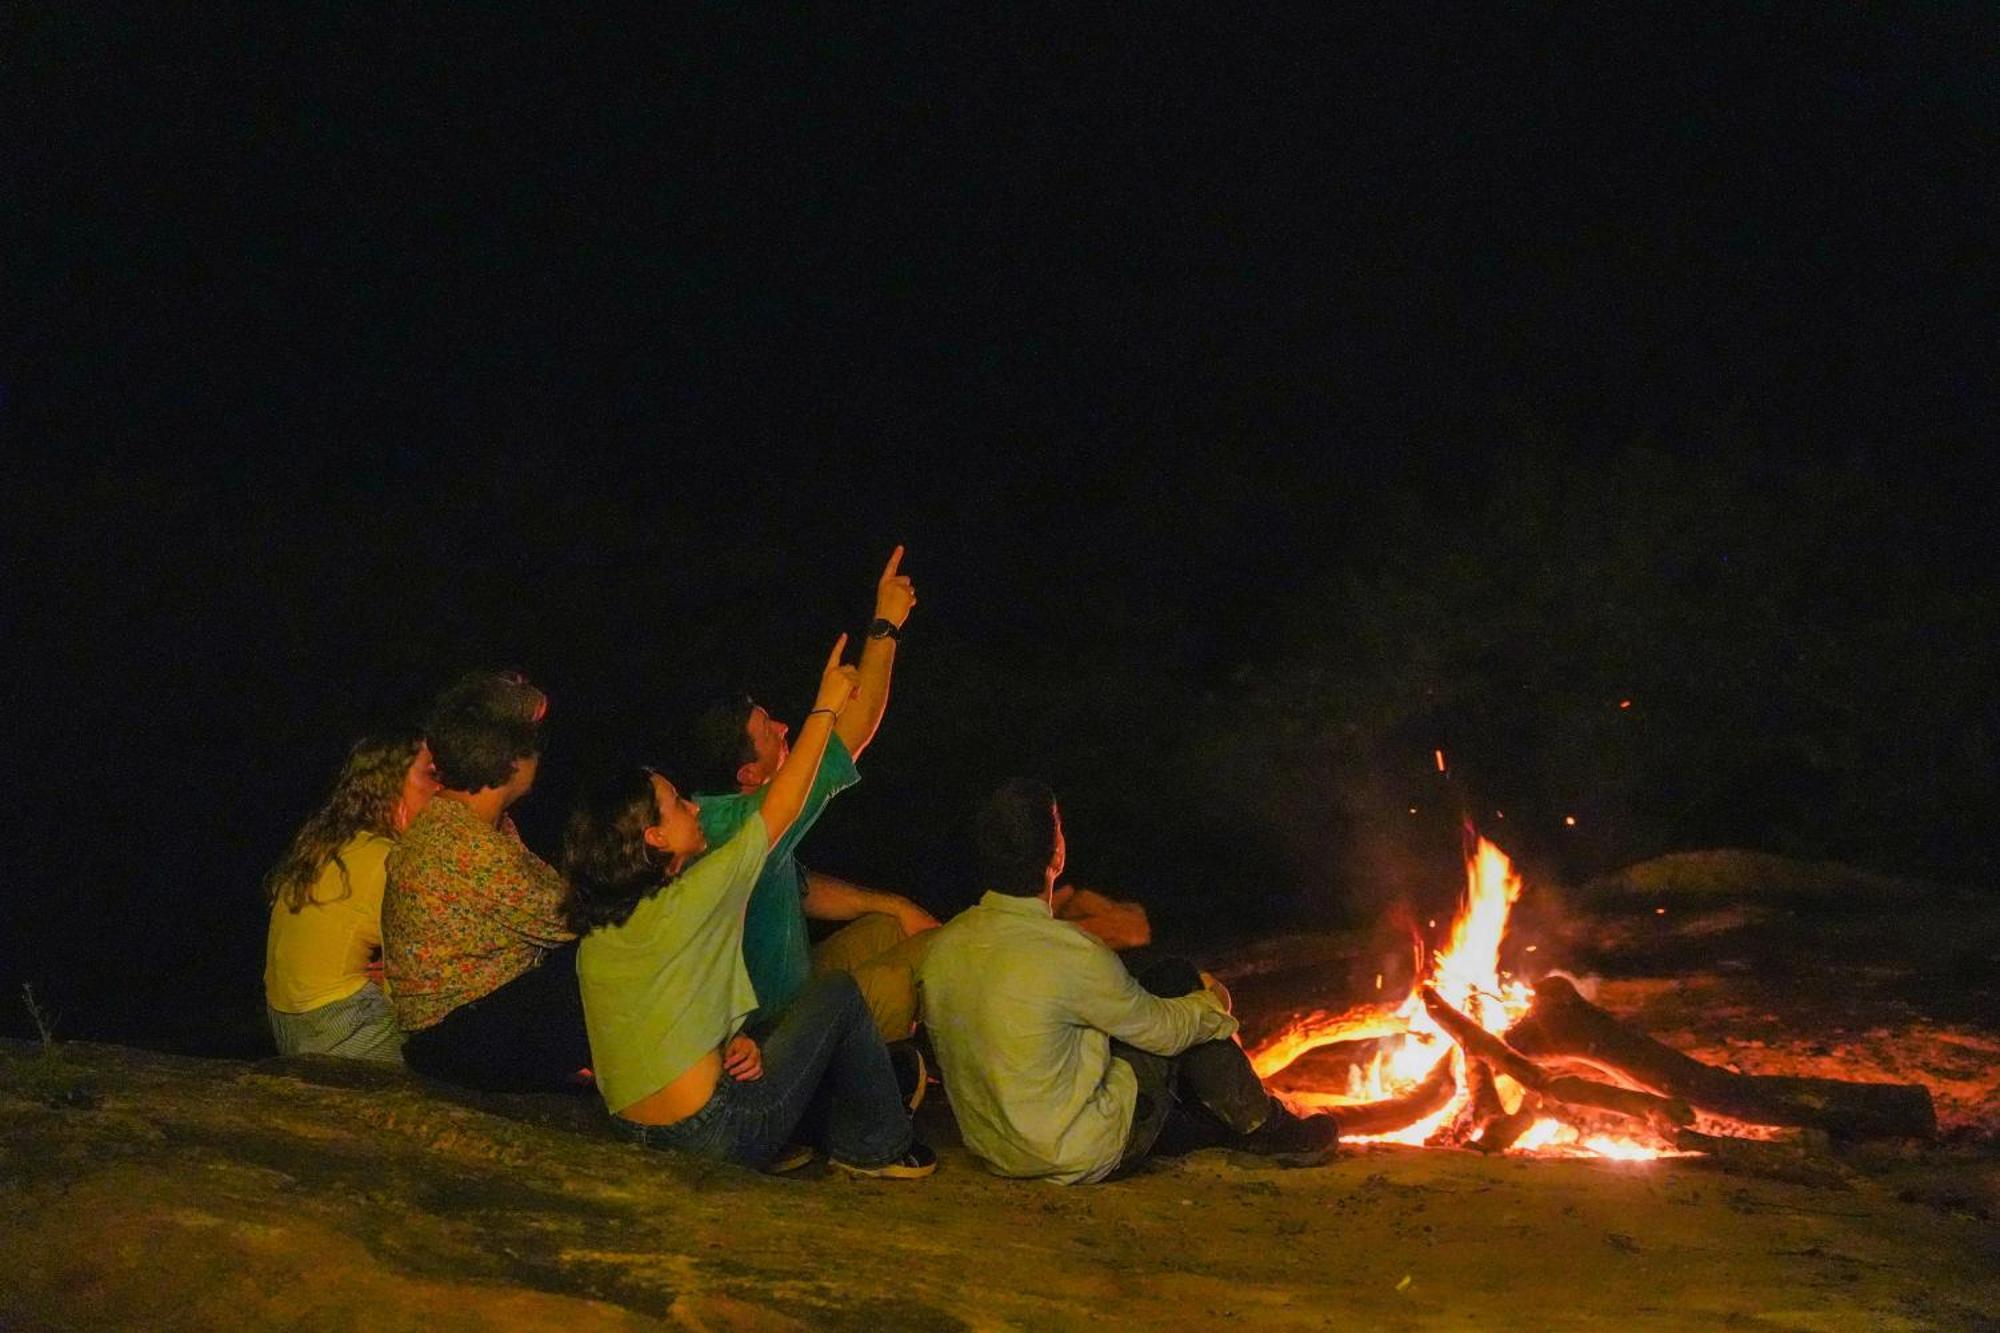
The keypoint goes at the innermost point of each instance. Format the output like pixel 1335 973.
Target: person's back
pixel 1033 1086
pixel 1058 1062
pixel 318 953
pixel 470 909
pixel 481 962
pixel 321 993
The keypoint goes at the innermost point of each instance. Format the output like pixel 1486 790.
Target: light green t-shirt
pixel 668 986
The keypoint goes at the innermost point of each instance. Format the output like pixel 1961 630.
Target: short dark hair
pixel 720 742
pixel 608 867
pixel 481 725
pixel 1014 837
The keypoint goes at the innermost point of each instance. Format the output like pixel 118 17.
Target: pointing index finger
pixel 895 559
pixel 839 647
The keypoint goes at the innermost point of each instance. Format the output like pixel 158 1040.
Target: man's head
pixel 738 745
pixel 1018 838
pixel 485 732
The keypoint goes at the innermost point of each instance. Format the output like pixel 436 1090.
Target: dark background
pixel 1267 403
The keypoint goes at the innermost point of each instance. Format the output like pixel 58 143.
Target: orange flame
pixel 1465 971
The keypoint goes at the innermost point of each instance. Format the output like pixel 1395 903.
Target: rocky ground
pixel 144 1190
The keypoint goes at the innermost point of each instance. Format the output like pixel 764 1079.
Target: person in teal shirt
pixel 660 970
pixel 742 746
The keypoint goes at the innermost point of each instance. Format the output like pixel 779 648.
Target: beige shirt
pixel 1021 1010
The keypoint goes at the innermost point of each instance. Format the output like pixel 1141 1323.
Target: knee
pixel 878 931
pixel 1170 976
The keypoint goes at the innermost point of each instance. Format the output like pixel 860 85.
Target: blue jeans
pixel 824 1056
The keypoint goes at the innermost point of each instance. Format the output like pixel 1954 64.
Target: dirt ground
pixel 145 1190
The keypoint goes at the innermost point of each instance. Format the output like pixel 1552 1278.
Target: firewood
pixel 1484 1096
pixel 1481 1044
pixel 1394 1113
pixel 1501 1132
pixel 1666 1113
pixel 1561 1022
pixel 1800 1161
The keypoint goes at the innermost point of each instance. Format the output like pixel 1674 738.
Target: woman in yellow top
pixel 322 987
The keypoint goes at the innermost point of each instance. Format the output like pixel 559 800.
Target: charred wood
pixel 1562 1023
pixel 1504 1130
pixel 1665 1113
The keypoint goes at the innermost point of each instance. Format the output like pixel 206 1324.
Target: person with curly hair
pixel 666 993
pixel 322 989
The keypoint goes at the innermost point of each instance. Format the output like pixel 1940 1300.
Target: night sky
pixel 1266 403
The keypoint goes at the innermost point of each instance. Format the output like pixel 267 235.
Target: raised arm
pixel 894 597
pixel 786 795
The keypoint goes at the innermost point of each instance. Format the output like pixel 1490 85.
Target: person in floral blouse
pixel 480 962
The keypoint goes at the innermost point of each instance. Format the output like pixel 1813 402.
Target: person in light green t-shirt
pixel 665 991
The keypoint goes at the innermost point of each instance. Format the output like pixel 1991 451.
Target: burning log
pixel 1482 1105
pixel 1665 1113
pixel 1504 1130
pixel 1394 1113
pixel 1563 1023
pixel 1485 1095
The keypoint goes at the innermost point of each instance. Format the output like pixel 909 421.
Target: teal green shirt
pixel 668 986
pixel 776 949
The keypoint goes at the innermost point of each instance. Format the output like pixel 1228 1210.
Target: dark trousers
pixel 528 1036
pixel 1204 1097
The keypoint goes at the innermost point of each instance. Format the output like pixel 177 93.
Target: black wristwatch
pixel 884 629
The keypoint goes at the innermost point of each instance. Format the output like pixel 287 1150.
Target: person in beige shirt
pixel 1059 1062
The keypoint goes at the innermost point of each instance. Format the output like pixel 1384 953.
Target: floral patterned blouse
pixel 468 909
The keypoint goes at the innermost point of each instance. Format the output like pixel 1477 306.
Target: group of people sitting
pixel 669 961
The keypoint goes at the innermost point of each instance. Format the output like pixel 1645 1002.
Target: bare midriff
pixel 688 1093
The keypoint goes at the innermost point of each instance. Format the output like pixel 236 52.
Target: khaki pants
pixel 883 962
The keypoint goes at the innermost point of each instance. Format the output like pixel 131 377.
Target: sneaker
pixel 918 1162
pixel 913 1077
pixel 1292 1140
pixel 790 1158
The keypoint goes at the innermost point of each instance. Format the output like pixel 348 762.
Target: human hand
pixel 741 1059
pixel 914 919
pixel 894 593
pixel 837 682
pixel 1213 986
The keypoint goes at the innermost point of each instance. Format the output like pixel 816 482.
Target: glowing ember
pixel 1409 1044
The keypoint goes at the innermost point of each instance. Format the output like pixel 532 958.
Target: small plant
pixel 45 1020
pixel 49 1078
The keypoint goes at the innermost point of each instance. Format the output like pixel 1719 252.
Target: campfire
pixel 1475 1058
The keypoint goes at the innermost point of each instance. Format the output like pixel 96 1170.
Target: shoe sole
pixel 893 1171
pixel 789 1161
pixel 916 1097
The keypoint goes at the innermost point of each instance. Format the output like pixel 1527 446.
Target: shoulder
pixel 367 852
pixel 722 813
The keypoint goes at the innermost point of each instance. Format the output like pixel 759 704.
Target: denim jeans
pixel 360 1027
pixel 824 1056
